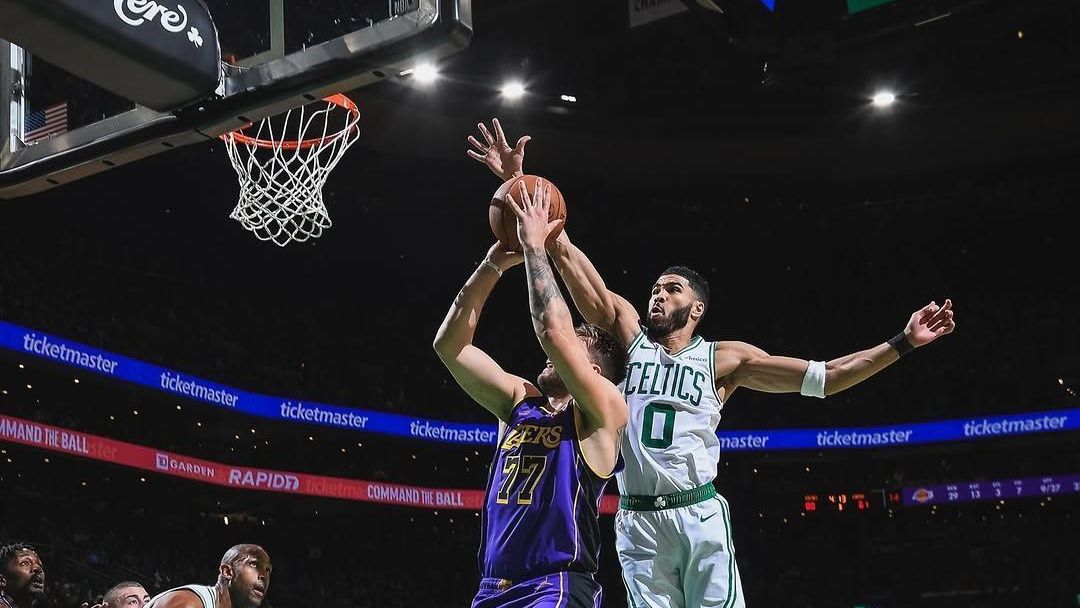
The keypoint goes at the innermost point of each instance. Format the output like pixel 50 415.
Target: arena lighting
pixel 425 73
pixel 568 98
pixel 883 99
pixel 513 90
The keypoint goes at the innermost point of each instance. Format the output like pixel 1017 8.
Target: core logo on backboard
pixel 138 12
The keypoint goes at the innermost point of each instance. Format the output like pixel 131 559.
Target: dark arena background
pixel 171 386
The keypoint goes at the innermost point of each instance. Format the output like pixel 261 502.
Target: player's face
pixel 669 305
pixel 131 597
pixel 251 580
pixel 25 575
pixel 549 381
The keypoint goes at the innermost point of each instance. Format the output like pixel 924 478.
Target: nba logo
pixel 161 461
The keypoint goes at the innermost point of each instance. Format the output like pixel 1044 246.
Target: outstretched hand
pixel 504 161
pixel 534 229
pixel 505 259
pixel 930 323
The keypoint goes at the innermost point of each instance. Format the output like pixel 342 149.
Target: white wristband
pixel 813 383
pixel 492 265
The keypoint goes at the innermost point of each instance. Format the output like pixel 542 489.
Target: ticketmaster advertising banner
pixel 79 356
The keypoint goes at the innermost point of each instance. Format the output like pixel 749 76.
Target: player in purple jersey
pixel 558 439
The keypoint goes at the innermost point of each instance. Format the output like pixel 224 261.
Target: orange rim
pixel 339 100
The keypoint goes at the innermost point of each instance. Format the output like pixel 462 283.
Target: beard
pixel 551 384
pixel 662 328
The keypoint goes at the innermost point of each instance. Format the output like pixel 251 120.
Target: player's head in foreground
pixel 606 354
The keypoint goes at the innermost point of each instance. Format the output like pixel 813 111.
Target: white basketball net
pixel 282 165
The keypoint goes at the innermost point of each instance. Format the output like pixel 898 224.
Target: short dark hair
pixel 605 350
pixel 694 278
pixel 114 594
pixel 8 553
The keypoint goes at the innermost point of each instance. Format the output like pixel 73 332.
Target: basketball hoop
pixel 283 166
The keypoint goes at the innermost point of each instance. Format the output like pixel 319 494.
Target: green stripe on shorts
pixel 732 592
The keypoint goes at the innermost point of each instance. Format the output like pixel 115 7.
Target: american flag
pixel 53 120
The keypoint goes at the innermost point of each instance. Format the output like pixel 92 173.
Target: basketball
pixel 504 222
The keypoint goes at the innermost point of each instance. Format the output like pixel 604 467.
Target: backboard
pixel 56 127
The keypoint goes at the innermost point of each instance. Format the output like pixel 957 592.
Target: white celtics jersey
pixel 670 442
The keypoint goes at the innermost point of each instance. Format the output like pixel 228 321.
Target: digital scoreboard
pixel 841 502
pixel 1002 489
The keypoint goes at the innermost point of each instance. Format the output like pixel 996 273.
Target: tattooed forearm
pixel 545 298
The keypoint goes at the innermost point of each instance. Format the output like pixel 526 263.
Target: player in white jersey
pixel 242 582
pixel 673 530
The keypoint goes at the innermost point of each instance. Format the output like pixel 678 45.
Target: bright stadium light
pixel 425 73
pixel 883 99
pixel 513 90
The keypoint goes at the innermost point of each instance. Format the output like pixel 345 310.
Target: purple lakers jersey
pixel 542 499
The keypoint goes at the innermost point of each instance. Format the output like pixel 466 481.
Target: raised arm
pixel 505 162
pixel 740 364
pixel 475 371
pixel 599 305
pixel 601 404
pixel 591 296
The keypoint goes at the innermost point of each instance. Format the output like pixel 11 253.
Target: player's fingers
pixel 487 134
pixel 526 200
pixel 927 311
pixel 944 321
pixel 514 206
pixel 498 131
pixel 946 328
pixel 944 312
pixel 545 196
pixel 519 148
pixel 476 155
pixel 476 144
